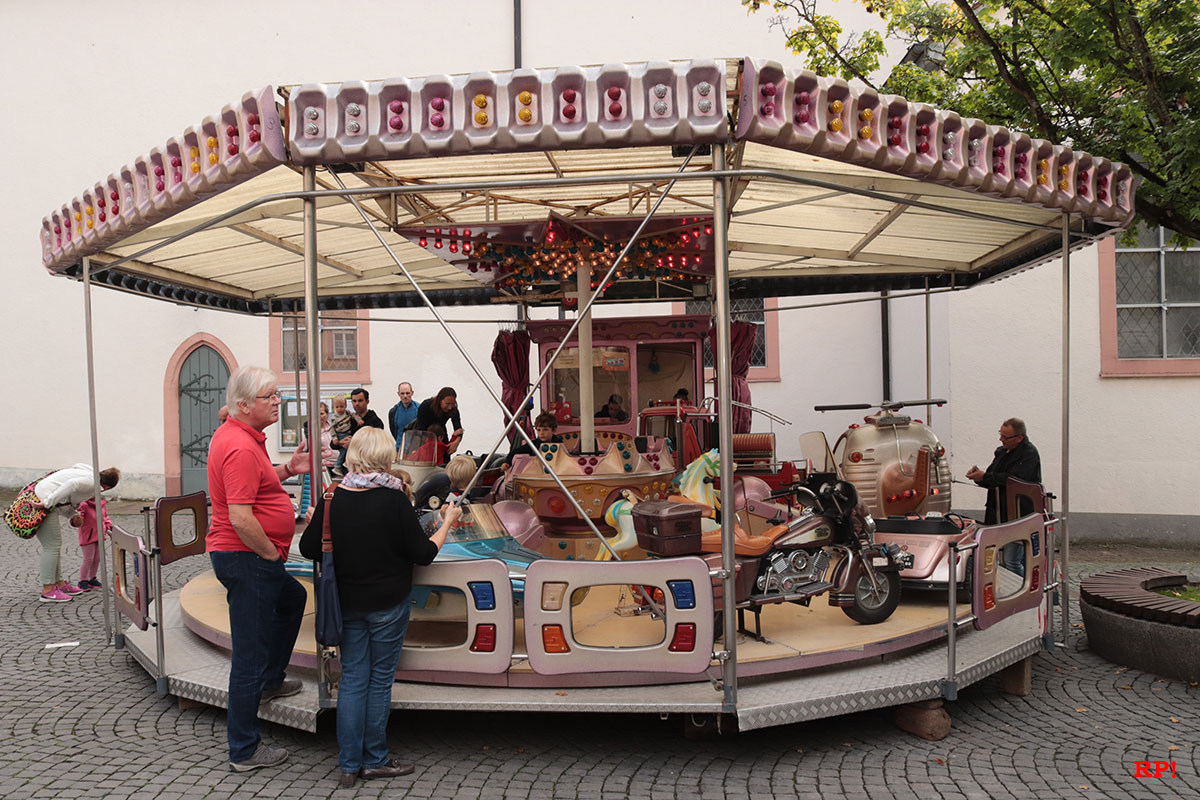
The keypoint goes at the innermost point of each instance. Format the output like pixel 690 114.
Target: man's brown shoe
pixel 392 769
pixel 289 687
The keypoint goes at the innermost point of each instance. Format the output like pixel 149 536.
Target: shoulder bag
pixel 325 592
pixel 22 517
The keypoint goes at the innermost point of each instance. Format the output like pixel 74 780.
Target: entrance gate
pixel 202 380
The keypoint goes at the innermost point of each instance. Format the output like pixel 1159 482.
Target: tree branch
pixel 1014 78
pixel 1041 7
pixel 807 15
pixel 1146 70
pixel 1166 216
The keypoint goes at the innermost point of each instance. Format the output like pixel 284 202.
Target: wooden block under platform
pixel 926 718
pixel 1017 679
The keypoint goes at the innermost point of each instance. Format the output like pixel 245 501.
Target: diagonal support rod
pixel 479 374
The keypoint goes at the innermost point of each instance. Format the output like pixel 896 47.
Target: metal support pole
pixel 109 624
pixel 1064 589
pixel 161 683
pixel 312 332
pixel 928 356
pixel 950 684
pixel 723 357
pixel 296 351
pixel 587 383
pixel 312 364
pixel 885 344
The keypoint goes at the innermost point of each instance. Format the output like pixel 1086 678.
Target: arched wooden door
pixel 202 380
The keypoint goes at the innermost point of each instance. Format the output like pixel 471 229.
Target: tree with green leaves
pixel 1117 78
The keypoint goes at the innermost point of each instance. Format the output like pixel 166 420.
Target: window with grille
pixel 339 342
pixel 748 310
pixel 1158 298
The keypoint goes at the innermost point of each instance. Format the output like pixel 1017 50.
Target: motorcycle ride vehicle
pixel 813 537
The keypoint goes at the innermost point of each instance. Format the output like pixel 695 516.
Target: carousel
pixel 627 567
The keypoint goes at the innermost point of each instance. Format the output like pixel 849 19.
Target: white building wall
pixel 1131 449
pixel 89 86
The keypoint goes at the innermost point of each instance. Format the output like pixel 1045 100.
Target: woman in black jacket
pixel 376 541
pixel 441 409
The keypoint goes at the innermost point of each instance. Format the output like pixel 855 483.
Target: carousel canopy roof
pixel 494 187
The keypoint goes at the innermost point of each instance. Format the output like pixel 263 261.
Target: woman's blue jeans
pixel 370 651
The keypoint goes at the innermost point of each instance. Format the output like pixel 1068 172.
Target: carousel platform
pixel 811 662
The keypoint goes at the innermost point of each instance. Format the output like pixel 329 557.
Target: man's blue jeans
pixel 370 651
pixel 265 608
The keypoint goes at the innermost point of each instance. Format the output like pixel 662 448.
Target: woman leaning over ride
pixel 376 541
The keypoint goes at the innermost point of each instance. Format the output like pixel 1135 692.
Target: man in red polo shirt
pixel 252 527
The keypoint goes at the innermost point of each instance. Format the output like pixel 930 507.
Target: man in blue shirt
pixel 403 412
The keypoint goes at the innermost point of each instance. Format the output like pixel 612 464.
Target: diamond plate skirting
pixel 199 671
pixel 763 703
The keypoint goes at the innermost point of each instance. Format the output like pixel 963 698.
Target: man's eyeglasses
pixel 271 396
pixel 1006 438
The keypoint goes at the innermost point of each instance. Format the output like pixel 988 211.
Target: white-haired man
pixel 252 527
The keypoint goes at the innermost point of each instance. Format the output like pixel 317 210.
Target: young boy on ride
pixel 460 471
pixel 544 427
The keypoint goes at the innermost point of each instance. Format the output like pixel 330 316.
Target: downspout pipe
pixel 516 34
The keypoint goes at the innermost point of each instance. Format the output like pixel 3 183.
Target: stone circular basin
pixel 1128 623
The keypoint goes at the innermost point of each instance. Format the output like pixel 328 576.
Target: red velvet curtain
pixel 741 342
pixel 510 355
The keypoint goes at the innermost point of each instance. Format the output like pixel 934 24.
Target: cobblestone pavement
pixel 84 721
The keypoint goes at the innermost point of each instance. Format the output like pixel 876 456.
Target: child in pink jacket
pixel 89 543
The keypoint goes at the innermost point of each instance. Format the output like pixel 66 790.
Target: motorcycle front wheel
pixel 873 605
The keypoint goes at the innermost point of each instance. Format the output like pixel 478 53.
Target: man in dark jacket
pixel 1016 457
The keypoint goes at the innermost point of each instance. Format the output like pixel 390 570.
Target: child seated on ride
pixel 432 448
pixel 460 471
pixel 405 478
pixel 544 427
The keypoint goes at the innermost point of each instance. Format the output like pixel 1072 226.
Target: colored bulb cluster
pixel 704 105
pixel 659 102
pixel 998 153
pixel 768 91
pixel 481 116
pixel 835 112
pixel 1022 161
pixel 974 146
pixel 803 111
pixel 437 117
pixel 615 109
pixel 923 134
pixel 866 116
pixel 525 107
pixel 568 99
pixel 395 115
